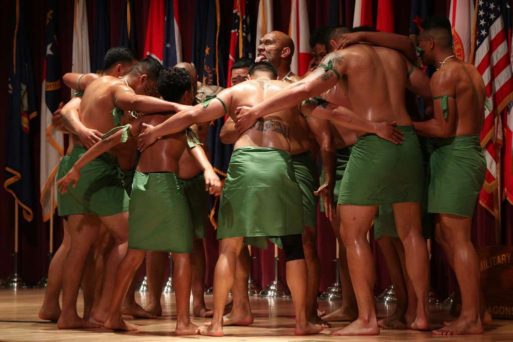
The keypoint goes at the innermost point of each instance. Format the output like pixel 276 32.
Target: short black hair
pixel 149 66
pixel 263 66
pixel 173 82
pixel 364 28
pixel 242 63
pixel 320 36
pixel 335 33
pixel 440 28
pixel 117 55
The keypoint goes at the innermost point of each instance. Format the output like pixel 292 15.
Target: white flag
pixel 265 19
pixel 80 58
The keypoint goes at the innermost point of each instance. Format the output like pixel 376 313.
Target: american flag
pixel 492 61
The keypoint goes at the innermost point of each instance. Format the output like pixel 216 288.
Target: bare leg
pixel 83 231
pixel 156 265
pixel 101 254
pixel 50 310
pixel 88 283
pixel 124 277
pixel 297 282
pixel 199 308
pixel 118 227
pixel 182 283
pixel 356 222
pixel 348 311
pixel 240 313
pixel 456 233
pixel 412 299
pixel 224 276
pixel 130 306
pixel 398 319
pixel 409 228
pixel 313 270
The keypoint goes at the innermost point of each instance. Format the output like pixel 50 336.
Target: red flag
pixel 492 62
pixel 461 21
pixel 299 31
pixel 385 21
pixel 236 36
pixel 362 13
pixel 155 30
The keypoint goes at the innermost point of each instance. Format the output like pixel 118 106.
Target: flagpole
pixel 15 282
pixel 43 282
pixel 276 288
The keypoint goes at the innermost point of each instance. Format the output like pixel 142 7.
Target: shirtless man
pixel 117 62
pixel 150 222
pixel 261 155
pixel 393 173
pixel 92 202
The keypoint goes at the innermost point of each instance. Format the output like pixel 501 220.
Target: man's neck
pixel 443 57
pixel 283 71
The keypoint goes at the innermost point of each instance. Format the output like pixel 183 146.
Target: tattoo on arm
pixel 330 67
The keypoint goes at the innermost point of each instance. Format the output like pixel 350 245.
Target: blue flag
pixel 101 36
pixel 173 44
pixel 128 28
pixel 21 110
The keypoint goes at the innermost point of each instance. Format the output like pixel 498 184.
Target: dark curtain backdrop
pixel 34 236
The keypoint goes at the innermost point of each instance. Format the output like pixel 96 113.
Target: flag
pixel 492 60
pixel 362 13
pixel 52 142
pixel 508 115
pixel 335 15
pixel 80 60
pixel 240 39
pixel 385 21
pixel 21 110
pixel 155 33
pixel 299 31
pixel 460 15
pixel 128 37
pixel 420 10
pixel 264 20
pixel 173 45
pixel 101 35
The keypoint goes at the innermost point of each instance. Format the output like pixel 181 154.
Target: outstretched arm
pixel 78 82
pixel 94 152
pixel 203 112
pixel 345 117
pixel 385 39
pixel 320 80
pixel 87 136
pixel 126 99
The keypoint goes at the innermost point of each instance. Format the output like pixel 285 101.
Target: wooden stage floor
pixel 274 322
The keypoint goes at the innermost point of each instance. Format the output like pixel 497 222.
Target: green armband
pixel 124 135
pixel 444 102
pixel 206 103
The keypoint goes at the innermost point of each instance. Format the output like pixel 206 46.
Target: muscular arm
pixel 229 133
pixel 126 99
pixel 320 80
pixel 385 39
pixel 87 136
pixel 78 81
pixel 204 112
pixel 443 123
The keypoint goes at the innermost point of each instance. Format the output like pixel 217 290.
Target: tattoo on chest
pixel 271 126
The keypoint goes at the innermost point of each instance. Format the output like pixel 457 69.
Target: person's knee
pixel 231 246
pixel 293 247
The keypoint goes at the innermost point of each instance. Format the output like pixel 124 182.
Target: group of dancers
pixel 136 181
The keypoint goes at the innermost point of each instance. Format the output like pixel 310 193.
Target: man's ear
pixel 118 69
pixel 143 78
pixel 333 44
pixel 285 52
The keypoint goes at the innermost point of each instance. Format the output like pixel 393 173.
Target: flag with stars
pixel 492 60
pixel 21 111
pixel 52 141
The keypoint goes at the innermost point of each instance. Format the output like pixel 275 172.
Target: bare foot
pixel 155 310
pixel 340 315
pixel 210 330
pixel 321 313
pixel 460 327
pixel 358 327
pixel 98 317
pixel 118 324
pixel 75 323
pixel 136 311
pixel 486 318
pixel 238 319
pixel 315 319
pixel 49 314
pixel 394 323
pixel 307 329
pixel 421 324
pixel 202 311
pixel 189 329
